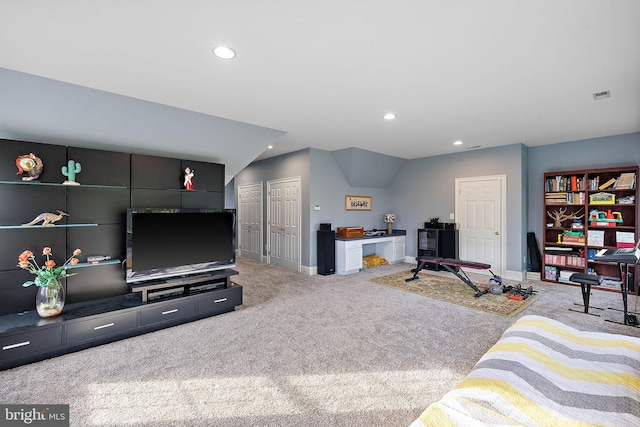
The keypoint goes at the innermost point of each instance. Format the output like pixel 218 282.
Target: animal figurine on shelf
pixel 31 164
pixel 47 218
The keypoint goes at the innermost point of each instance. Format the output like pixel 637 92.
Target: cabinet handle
pixel 108 325
pixel 220 300
pixel 175 310
pixel 20 344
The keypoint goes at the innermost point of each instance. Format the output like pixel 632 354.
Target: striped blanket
pixel 544 373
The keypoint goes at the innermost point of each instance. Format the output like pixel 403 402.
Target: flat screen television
pixel 164 243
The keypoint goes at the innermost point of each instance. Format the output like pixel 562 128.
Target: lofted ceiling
pixel 322 74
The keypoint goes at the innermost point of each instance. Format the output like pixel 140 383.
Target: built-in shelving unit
pixel 586 211
pixel 100 306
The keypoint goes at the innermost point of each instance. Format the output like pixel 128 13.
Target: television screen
pixel 164 243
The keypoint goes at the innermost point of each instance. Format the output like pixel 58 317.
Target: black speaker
pixel 326 252
pixel 325 226
pixel 448 243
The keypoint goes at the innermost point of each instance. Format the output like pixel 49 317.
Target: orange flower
pixel 47 274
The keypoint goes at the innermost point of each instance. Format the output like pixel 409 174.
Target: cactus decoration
pixel 70 172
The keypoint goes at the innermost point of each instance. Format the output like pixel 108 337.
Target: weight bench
pixel 453 266
pixel 586 281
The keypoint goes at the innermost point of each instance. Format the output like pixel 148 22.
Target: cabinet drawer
pixel 165 311
pixel 101 326
pixel 21 344
pixel 219 301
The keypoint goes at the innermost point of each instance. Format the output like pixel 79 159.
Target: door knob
pixel 497 233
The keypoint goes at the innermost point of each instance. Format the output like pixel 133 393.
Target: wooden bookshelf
pixel 585 211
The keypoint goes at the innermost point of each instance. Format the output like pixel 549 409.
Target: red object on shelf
pixel 625 244
pixel 603 224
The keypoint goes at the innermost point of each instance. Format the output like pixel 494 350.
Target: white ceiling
pixel 490 73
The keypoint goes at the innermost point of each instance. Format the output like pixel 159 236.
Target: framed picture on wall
pixel 357 203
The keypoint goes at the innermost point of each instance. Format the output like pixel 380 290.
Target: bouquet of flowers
pixel 389 218
pixel 47 275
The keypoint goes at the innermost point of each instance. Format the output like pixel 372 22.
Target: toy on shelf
pixel 31 164
pixel 602 199
pixel 604 219
pixel 571 238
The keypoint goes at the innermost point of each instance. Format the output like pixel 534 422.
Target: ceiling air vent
pixel 601 95
pixel 472 148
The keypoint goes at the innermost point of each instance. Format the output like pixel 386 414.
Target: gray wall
pixel 43 110
pixel 596 153
pixel 425 189
pixel 286 166
pixel 329 187
pixel 326 190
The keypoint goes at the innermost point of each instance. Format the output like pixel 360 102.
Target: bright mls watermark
pixel 34 415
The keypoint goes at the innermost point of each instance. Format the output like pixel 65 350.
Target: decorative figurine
pixel 560 215
pixel 47 218
pixel 30 164
pixel 188 175
pixel 70 172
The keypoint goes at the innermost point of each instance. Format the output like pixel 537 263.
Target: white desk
pixel 349 251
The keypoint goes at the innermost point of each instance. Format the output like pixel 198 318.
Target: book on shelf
pixel 550 273
pixel 564 183
pixel 626 181
pixel 564 198
pixel 595 238
pixel 607 184
pixel 558 249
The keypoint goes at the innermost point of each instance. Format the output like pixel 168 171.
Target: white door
pixel 250 221
pixel 481 212
pixel 283 219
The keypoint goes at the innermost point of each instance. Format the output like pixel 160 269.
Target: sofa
pixel 545 373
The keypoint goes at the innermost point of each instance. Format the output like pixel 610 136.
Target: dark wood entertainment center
pixel 100 306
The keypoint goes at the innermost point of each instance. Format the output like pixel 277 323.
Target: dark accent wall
pixel 110 182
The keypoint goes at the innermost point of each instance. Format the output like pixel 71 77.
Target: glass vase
pixel 50 300
pixel 389 228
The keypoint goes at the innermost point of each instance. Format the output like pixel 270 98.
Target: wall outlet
pixel 452 216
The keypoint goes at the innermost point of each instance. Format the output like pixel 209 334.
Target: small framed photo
pixel 357 203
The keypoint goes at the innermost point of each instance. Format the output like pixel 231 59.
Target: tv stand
pixel 26 338
pixel 190 283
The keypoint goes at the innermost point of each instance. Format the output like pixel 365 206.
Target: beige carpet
pixel 451 289
pixel 310 351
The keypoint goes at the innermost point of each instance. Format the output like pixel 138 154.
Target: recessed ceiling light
pixel 389 116
pixel 269 147
pixel 224 52
pixel 458 142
